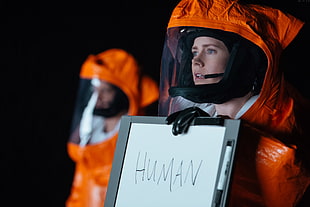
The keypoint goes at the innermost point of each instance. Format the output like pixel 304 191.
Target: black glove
pixel 182 119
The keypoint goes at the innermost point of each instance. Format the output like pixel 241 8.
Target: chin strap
pixel 182 119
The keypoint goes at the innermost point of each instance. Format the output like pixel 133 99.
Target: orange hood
pixel 268 28
pixel 120 68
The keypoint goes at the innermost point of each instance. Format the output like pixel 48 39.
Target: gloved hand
pixel 182 119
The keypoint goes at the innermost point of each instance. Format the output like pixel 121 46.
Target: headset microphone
pixel 215 75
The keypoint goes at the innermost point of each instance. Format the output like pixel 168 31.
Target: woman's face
pixel 106 95
pixel 210 56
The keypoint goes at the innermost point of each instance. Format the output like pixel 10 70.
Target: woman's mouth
pixel 198 76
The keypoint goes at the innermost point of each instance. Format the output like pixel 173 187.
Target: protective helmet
pixel 245 69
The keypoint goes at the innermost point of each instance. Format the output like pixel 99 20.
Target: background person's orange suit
pixel 93 162
pixel 274 142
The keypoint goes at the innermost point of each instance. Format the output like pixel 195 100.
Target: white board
pixel 160 169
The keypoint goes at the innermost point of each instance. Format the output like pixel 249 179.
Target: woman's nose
pixel 197 61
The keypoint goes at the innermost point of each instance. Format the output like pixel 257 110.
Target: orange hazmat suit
pixel 272 158
pixel 93 162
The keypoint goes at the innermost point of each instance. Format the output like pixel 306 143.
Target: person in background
pixel 111 85
pixel 221 59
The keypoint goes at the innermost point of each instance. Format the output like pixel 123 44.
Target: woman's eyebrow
pixel 207 45
pixel 194 48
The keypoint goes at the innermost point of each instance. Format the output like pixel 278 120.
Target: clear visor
pixel 96 100
pixel 173 72
pixel 224 64
pixel 86 98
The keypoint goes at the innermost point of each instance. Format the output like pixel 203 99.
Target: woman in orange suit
pixel 221 58
pixel 111 85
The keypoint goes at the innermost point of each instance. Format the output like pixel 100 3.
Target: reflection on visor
pixel 87 118
pixel 95 82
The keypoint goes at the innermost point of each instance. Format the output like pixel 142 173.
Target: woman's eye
pixel 211 51
pixel 195 53
pixel 208 51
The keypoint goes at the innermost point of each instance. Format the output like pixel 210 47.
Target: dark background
pixel 43 47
